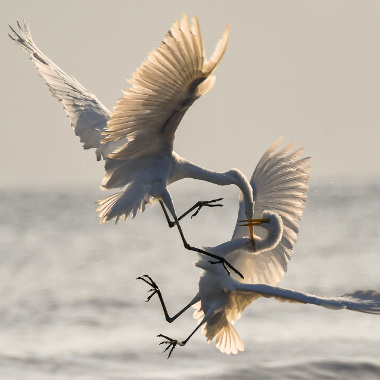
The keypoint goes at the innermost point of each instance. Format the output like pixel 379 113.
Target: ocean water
pixel 71 308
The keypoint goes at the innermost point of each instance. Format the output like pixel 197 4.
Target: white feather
pixel 141 128
pixel 279 184
pixel 87 115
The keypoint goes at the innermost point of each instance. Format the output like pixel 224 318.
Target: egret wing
pixel 87 115
pixel 364 301
pixel 172 77
pixel 279 184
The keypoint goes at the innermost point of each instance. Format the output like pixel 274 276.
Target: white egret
pixel 136 138
pixel 280 184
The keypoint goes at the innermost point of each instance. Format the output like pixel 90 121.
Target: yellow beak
pixel 250 223
pixel 253 222
pixel 252 237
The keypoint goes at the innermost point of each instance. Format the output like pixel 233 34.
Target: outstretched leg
pixel 197 206
pixel 219 260
pixel 172 343
pixel 156 290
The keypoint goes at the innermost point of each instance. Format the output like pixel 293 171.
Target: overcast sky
pixel 305 70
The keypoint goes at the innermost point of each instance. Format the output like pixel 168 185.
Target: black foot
pixel 172 343
pixel 218 259
pixel 155 289
pixel 211 203
pixel 198 207
pixel 226 264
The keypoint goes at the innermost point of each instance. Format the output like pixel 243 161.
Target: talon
pixel 225 268
pixel 225 265
pixel 150 296
pixel 196 212
pixel 235 270
pixel 148 280
pixel 172 343
pixel 200 204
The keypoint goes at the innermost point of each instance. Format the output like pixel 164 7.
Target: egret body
pixel 136 138
pixel 280 185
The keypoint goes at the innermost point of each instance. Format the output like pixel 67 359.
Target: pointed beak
pixel 253 222
pixel 252 237
pixel 250 223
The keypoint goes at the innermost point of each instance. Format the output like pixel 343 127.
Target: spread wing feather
pixel 364 301
pixel 279 184
pixel 172 77
pixel 87 115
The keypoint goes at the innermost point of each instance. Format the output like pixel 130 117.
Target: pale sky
pixel 305 70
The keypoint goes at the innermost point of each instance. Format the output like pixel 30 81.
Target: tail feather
pixel 227 340
pixel 122 204
pixel 226 337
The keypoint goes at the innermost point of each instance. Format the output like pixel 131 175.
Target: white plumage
pixel 280 185
pixel 136 138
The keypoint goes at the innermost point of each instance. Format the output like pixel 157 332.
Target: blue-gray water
pixel 70 307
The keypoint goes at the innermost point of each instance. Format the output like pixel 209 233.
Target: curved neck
pixel 273 238
pixel 231 177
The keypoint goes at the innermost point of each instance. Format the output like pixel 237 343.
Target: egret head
pixel 251 223
pixel 269 220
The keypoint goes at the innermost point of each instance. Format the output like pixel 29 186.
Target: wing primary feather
pixel 172 77
pixel 87 115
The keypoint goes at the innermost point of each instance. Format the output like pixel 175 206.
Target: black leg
pixel 219 260
pixel 172 343
pixel 197 206
pixel 156 290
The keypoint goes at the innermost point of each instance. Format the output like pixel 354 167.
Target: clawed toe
pixel 226 265
pixel 171 344
pixel 211 203
pixel 223 263
pixel 148 280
